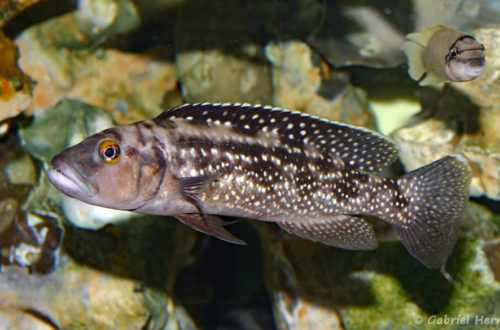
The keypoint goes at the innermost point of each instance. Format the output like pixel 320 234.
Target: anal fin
pixel 343 231
pixel 210 225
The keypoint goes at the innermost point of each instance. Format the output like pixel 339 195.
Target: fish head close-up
pixel 107 169
pixel 466 59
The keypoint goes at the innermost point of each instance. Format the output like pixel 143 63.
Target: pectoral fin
pixel 210 225
pixel 414 53
pixel 343 231
pixel 190 187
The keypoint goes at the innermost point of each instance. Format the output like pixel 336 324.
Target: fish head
pixel 108 169
pixel 465 60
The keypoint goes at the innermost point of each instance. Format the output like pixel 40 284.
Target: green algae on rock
pixel 315 286
pixel 73 120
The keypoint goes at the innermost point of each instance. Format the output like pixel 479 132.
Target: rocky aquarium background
pixel 71 68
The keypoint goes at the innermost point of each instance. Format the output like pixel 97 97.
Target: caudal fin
pixel 436 195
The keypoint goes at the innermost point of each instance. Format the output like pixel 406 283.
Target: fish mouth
pixel 69 181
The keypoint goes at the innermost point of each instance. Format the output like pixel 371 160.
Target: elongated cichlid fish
pixel 443 54
pixel 310 176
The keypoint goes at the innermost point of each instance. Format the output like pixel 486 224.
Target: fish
pixel 442 54
pixel 312 177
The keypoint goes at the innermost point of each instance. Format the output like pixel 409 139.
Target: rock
pixel 15 86
pixel 484 90
pixel 363 33
pixel 492 250
pixel 89 25
pixel 73 120
pixel 18 318
pixel 11 8
pixel 131 86
pixel 100 19
pixel 301 84
pixel 60 55
pixel 213 68
pixel 465 15
pixel 22 171
pixel 107 278
pixel 75 295
pixel 27 239
pixel 214 76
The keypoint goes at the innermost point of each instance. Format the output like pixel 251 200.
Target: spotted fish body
pixel 310 176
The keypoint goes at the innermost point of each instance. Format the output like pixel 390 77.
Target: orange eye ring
pixel 109 151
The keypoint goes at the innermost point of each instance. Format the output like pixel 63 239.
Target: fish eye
pixel 454 53
pixel 109 151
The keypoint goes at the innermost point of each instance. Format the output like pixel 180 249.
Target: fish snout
pixel 465 71
pixel 68 180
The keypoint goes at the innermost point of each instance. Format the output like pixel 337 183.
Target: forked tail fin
pixel 436 195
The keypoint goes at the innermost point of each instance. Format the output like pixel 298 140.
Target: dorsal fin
pixel 423 38
pixel 357 147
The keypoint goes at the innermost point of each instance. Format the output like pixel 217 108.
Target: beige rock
pixel 132 85
pixel 297 83
pixel 19 318
pixel 299 301
pixel 217 76
pixel 485 89
pixel 75 296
